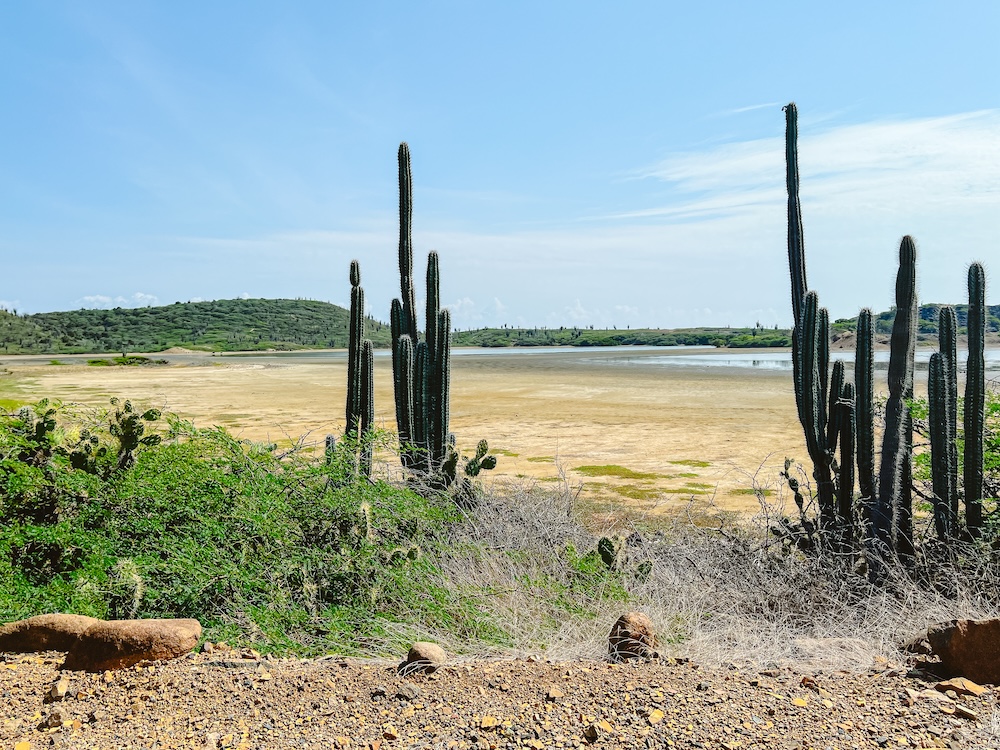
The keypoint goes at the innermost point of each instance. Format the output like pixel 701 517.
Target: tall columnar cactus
pixel 942 392
pixel 796 241
pixel 360 366
pixel 943 472
pixel 864 381
pixel 975 401
pixel 354 346
pixel 846 420
pixel 948 346
pixel 893 516
pixel 367 419
pixel 421 369
pixel 796 248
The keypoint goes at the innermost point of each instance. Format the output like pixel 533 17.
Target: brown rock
pixel 423 657
pixel 116 644
pixel 968 648
pixel 632 636
pixel 961 686
pixel 55 632
pixel 59 689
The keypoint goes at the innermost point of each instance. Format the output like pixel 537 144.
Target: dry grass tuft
pixel 719 590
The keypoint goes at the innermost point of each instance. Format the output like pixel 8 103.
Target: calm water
pixel 663 356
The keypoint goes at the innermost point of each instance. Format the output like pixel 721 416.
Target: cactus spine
pixel 421 369
pixel 893 517
pixel 975 401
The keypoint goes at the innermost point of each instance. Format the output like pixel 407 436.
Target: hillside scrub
pixel 292 554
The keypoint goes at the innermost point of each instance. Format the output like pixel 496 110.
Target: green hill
pixel 219 325
pixel 927 322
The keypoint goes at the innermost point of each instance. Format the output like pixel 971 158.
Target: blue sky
pixel 575 163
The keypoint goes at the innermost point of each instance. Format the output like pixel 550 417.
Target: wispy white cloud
pixel 104 302
pixel 711 253
pixel 750 108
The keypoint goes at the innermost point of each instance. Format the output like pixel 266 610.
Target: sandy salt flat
pixel 694 432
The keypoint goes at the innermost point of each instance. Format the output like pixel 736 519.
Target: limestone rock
pixel 116 644
pixel 968 648
pixel 423 657
pixel 55 632
pixel 632 636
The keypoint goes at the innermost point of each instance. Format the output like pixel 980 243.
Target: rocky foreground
pixel 229 699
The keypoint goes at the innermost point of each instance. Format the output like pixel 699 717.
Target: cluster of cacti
pixel 830 409
pixel 360 413
pixel 421 369
pixel 825 406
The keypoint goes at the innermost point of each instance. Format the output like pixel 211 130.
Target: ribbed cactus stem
pixel 442 383
pixel 367 406
pixel 796 240
pixel 356 334
pixel 403 388
pixel 845 480
pixel 941 471
pixel 433 306
pixel 948 346
pixel 975 401
pixel 864 380
pixel 420 400
pixel 836 388
pixel 893 517
pixel 409 317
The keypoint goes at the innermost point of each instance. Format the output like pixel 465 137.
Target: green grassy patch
pixel 751 491
pixel 542 459
pixel 504 452
pixel 613 470
pixel 698 485
pixel 636 492
pixel 133 360
pixel 692 462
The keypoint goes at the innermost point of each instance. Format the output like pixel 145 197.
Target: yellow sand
pixel 698 432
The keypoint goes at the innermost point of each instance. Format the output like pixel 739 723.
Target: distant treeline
pixel 723 337
pixel 219 325
pixel 284 324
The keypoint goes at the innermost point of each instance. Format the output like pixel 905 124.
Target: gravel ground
pixel 229 699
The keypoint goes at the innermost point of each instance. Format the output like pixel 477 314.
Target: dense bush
pixel 282 551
